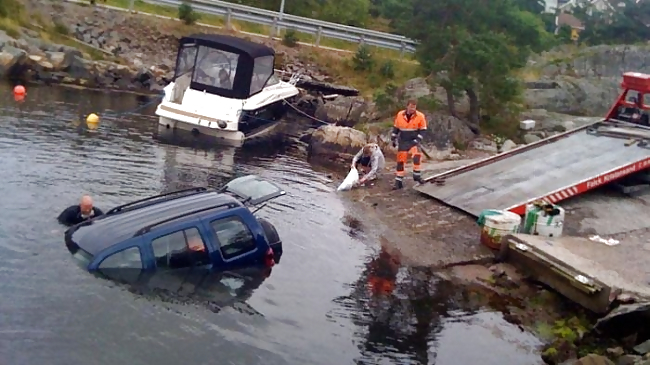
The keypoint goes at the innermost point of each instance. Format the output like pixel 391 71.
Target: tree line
pixel 624 22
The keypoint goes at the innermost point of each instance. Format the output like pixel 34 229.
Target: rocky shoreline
pixel 131 52
pixel 29 59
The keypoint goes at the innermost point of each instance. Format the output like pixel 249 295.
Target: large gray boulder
pixel 576 96
pixel 343 111
pixel 12 60
pixel 445 130
pixel 335 143
pixel 6 40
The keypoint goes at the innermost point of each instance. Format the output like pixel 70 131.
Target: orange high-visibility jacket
pixel 408 130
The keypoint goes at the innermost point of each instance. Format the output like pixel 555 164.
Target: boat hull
pixel 256 132
pixel 228 137
pixel 231 123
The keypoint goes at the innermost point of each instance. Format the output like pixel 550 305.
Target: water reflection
pixel 402 314
pixel 204 160
pixel 194 286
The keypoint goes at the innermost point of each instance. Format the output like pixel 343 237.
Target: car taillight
pixel 269 258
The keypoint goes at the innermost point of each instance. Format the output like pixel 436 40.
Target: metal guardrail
pixel 277 20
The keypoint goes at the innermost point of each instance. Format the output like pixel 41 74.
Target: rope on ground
pixel 292 107
pixel 305 114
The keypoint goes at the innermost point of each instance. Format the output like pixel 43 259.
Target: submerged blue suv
pixel 185 228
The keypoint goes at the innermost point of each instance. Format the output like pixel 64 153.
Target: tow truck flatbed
pixel 552 169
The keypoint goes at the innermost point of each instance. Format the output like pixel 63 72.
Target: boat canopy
pixel 224 65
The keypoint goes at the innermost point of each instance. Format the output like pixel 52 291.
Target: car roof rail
pixel 180 193
pixel 148 228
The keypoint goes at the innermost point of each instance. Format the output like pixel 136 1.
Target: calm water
pixel 315 308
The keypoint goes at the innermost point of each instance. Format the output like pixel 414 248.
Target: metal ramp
pixel 553 169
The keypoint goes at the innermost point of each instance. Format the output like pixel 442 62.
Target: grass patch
pixel 503 127
pixel 10 26
pixel 570 330
pixel 61 28
pixel 341 67
pixel 379 24
pixel 12 17
pixel 350 46
pixel 10 9
pixel 375 128
pixel 530 74
pixel 219 21
pixel 17 17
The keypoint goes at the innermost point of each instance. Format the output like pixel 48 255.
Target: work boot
pixel 398 184
pixel 417 178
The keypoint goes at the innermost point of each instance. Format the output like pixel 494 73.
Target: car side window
pixel 234 237
pixel 125 259
pixel 180 249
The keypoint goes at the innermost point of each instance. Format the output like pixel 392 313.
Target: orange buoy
pixel 19 90
pixel 19 98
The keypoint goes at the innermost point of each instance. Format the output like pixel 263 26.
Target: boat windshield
pixel 186 58
pixel 273 80
pixel 215 68
pixel 262 73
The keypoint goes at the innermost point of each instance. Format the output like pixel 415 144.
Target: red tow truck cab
pixel 633 104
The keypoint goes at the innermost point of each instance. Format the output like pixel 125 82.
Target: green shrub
pixel 187 14
pixel 10 8
pixel 363 59
pixel 290 38
pixel 385 100
pixel 61 28
pixel 387 69
pixel 10 28
pixel 429 103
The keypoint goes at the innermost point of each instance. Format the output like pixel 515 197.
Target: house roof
pixel 569 20
pixel 572 3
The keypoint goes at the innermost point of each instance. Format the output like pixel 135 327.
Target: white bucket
pixel 538 222
pixel 496 224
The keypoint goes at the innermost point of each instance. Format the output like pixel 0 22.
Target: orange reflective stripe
pixel 416 122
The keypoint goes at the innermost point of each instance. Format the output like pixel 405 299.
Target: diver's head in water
pixel 86 206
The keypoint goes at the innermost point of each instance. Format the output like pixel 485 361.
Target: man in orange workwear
pixel 407 135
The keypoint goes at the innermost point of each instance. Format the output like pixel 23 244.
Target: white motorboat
pixel 225 87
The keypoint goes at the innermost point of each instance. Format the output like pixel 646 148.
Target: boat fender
pixel 92 118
